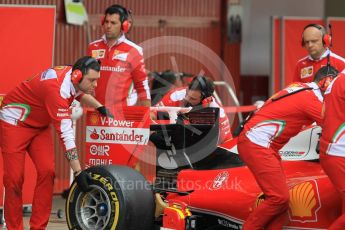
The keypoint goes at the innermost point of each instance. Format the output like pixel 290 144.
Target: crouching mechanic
pixel 25 118
pixel 199 94
pixel 332 142
pixel 266 132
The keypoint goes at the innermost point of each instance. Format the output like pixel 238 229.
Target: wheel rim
pixel 93 209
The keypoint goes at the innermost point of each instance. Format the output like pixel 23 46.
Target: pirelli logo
pixel 259 199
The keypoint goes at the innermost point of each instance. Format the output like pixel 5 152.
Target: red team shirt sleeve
pixel 139 74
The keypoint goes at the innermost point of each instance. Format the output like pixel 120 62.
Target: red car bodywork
pixel 232 193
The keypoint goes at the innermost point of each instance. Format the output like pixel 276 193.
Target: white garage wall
pixel 255 48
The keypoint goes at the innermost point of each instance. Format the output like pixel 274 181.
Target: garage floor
pixel 55 223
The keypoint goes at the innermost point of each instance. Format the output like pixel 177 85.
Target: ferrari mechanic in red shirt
pixel 199 93
pixel 122 62
pixel 317 42
pixel 25 118
pixel 332 142
pixel 266 132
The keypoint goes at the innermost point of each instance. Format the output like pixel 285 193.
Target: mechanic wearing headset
pixel 317 43
pixel 122 62
pixel 25 118
pixel 266 132
pixel 332 142
pixel 199 93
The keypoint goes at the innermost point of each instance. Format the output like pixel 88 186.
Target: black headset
pixel 205 92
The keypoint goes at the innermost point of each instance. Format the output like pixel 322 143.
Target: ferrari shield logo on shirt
pixel 98 53
pixel 307 71
pixel 118 55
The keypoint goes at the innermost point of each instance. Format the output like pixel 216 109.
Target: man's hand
pixel 104 111
pixel 83 179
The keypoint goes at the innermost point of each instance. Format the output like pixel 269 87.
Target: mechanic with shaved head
pixel 317 43
pixel 266 132
pixel 332 141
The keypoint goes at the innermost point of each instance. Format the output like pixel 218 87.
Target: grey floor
pixel 55 223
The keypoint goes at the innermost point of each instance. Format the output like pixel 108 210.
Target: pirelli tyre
pixel 120 199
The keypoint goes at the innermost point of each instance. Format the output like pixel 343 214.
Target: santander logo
pixel 94 135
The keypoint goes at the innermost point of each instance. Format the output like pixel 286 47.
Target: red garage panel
pixel 20 60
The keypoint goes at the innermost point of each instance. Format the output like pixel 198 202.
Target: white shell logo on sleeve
pixel 120 56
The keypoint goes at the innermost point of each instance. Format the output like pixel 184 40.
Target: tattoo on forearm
pixel 71 154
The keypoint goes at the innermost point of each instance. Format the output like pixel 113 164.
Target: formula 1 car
pixel 201 185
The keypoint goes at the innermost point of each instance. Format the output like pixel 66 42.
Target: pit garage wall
pixel 26 44
pixel 287 49
pixel 199 20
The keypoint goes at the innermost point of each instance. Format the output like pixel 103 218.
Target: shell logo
pixel 310 71
pixel 259 199
pixel 304 72
pixel 93 118
pixel 304 202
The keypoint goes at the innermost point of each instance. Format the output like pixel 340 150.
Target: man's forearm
pixel 90 101
pixel 75 165
pixel 146 102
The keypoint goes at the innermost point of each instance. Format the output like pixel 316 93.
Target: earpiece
pixel 125 26
pixel 206 101
pixel 76 76
pixel 78 73
pixel 206 95
pixel 102 19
